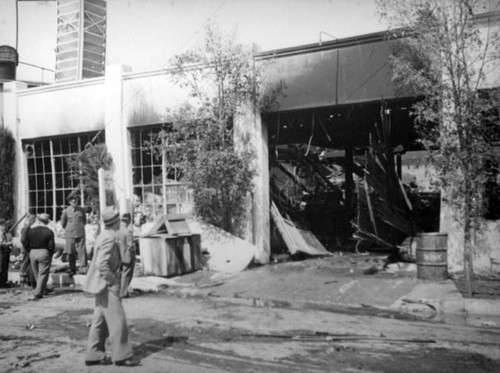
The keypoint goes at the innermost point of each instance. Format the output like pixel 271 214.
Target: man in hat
pixel 127 250
pixel 103 280
pixel 5 248
pixel 73 221
pixel 41 242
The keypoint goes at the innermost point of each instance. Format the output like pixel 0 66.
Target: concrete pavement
pixel 340 281
pixel 347 282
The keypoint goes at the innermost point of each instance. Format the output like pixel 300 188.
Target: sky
pixel 145 34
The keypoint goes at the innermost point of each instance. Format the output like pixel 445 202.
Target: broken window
pixel 157 175
pixel 49 182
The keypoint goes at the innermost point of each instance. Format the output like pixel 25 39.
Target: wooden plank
pixel 280 224
pixel 370 207
pixel 297 239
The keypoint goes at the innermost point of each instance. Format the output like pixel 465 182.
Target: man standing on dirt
pixel 26 272
pixel 103 280
pixel 41 242
pixel 73 221
pixel 127 250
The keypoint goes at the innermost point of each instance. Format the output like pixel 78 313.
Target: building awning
pixel 346 71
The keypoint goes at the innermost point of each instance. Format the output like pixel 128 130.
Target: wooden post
pixel 349 183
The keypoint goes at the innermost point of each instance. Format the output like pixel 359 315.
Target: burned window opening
pixel 156 175
pixel 49 181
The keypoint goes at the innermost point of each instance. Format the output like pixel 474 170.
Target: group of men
pixel 73 221
pixel 108 275
pixel 39 247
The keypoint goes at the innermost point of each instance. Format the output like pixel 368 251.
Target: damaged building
pixel 341 106
pixel 339 120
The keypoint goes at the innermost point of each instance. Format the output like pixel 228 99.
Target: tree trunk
pixel 467 242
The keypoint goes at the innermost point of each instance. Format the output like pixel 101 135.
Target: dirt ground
pixel 183 334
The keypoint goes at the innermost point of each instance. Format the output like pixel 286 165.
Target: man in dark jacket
pixel 73 221
pixel 40 239
pixel 25 272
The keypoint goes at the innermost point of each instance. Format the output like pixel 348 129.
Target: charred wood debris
pixel 308 200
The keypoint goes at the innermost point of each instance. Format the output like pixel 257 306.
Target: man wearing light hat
pixel 104 280
pixel 40 239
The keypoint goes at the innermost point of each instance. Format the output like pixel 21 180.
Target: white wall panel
pixel 49 111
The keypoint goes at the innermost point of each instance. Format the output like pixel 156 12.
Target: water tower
pixel 8 63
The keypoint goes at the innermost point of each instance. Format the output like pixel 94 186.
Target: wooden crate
pixel 165 255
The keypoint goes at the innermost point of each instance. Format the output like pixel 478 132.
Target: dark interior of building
pixel 317 161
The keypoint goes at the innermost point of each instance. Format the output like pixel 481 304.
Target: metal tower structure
pixel 81 39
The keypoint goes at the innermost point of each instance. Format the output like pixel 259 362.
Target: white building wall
pixel 11 122
pixel 248 124
pixel 486 241
pixel 116 136
pixel 112 104
pixel 54 110
pixel 148 97
pixel 62 109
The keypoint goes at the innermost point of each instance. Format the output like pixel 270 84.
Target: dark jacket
pixel 40 237
pixel 24 237
pixel 5 242
pixel 73 221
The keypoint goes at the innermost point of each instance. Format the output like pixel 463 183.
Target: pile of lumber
pixel 385 215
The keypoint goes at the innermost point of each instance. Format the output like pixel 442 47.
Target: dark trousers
pixel 76 247
pixel 4 265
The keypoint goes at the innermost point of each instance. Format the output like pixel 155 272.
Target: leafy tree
pixel 221 79
pixel 443 56
pixel 7 159
pixel 84 168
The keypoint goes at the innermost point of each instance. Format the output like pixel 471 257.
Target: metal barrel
pixel 432 256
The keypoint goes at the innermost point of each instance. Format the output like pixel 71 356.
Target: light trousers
pixel 108 321
pixel 40 264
